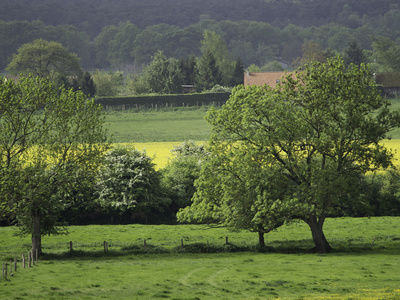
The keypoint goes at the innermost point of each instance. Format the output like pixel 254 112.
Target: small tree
pixel 179 175
pixel 311 52
pixel 237 190
pixel 163 75
pixel 85 84
pixel 106 83
pixel 188 67
pixel 213 43
pixel 209 73
pixel 128 182
pixel 238 74
pixel 353 54
pixel 45 59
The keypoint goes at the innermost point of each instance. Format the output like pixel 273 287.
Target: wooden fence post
pixel 23 261
pixel 144 244
pixel 30 259
pixel 11 268
pixel 33 257
pixel 226 241
pixel 182 243
pixel 37 255
pixel 5 270
pixel 105 247
pixel 15 264
pixel 70 246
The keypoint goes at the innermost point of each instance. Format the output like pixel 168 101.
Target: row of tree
pixel 127 47
pixel 167 75
pixel 163 75
pixel 92 15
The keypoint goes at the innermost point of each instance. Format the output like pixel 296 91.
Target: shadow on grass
pixel 283 247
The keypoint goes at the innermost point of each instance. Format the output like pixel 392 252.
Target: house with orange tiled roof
pixel 262 78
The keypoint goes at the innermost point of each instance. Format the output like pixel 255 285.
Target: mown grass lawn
pixel 364 265
pixel 164 125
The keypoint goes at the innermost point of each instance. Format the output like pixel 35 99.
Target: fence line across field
pixel 33 257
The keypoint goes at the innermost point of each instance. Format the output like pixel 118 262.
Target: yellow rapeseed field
pixel 161 151
pixel 394 145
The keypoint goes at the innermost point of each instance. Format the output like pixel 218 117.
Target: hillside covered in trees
pixel 92 15
pixel 120 34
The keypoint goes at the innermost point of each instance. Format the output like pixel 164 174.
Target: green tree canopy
pixel 179 175
pixel 106 83
pixel 47 136
pixel 237 76
pixel 387 54
pixel 311 52
pixel 214 44
pixel 163 75
pixel 353 54
pixel 208 72
pixel 312 136
pixel 129 181
pixel 45 59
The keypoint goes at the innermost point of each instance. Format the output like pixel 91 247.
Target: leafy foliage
pixel 47 135
pixel 387 53
pixel 106 83
pixel 163 75
pixel 209 73
pixel 128 182
pixel 45 59
pixel 311 137
pixel 179 175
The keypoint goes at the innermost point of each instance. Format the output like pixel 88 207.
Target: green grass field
pixel 364 265
pixel 164 125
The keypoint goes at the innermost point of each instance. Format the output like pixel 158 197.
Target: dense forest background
pixel 124 34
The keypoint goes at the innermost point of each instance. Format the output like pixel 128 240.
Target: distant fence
pixel 159 101
pixel 10 267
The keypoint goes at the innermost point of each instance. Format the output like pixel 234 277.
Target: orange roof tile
pixel 268 78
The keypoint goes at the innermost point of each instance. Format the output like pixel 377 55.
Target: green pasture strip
pixel 210 276
pixel 172 124
pixel 167 125
pixel 364 265
pixel 346 235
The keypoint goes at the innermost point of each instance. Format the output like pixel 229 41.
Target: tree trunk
pixel 261 240
pixel 36 235
pixel 321 244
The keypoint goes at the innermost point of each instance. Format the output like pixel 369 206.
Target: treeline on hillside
pixel 92 15
pixel 126 46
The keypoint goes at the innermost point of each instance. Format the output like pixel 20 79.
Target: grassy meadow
pixel 163 125
pixel 364 265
